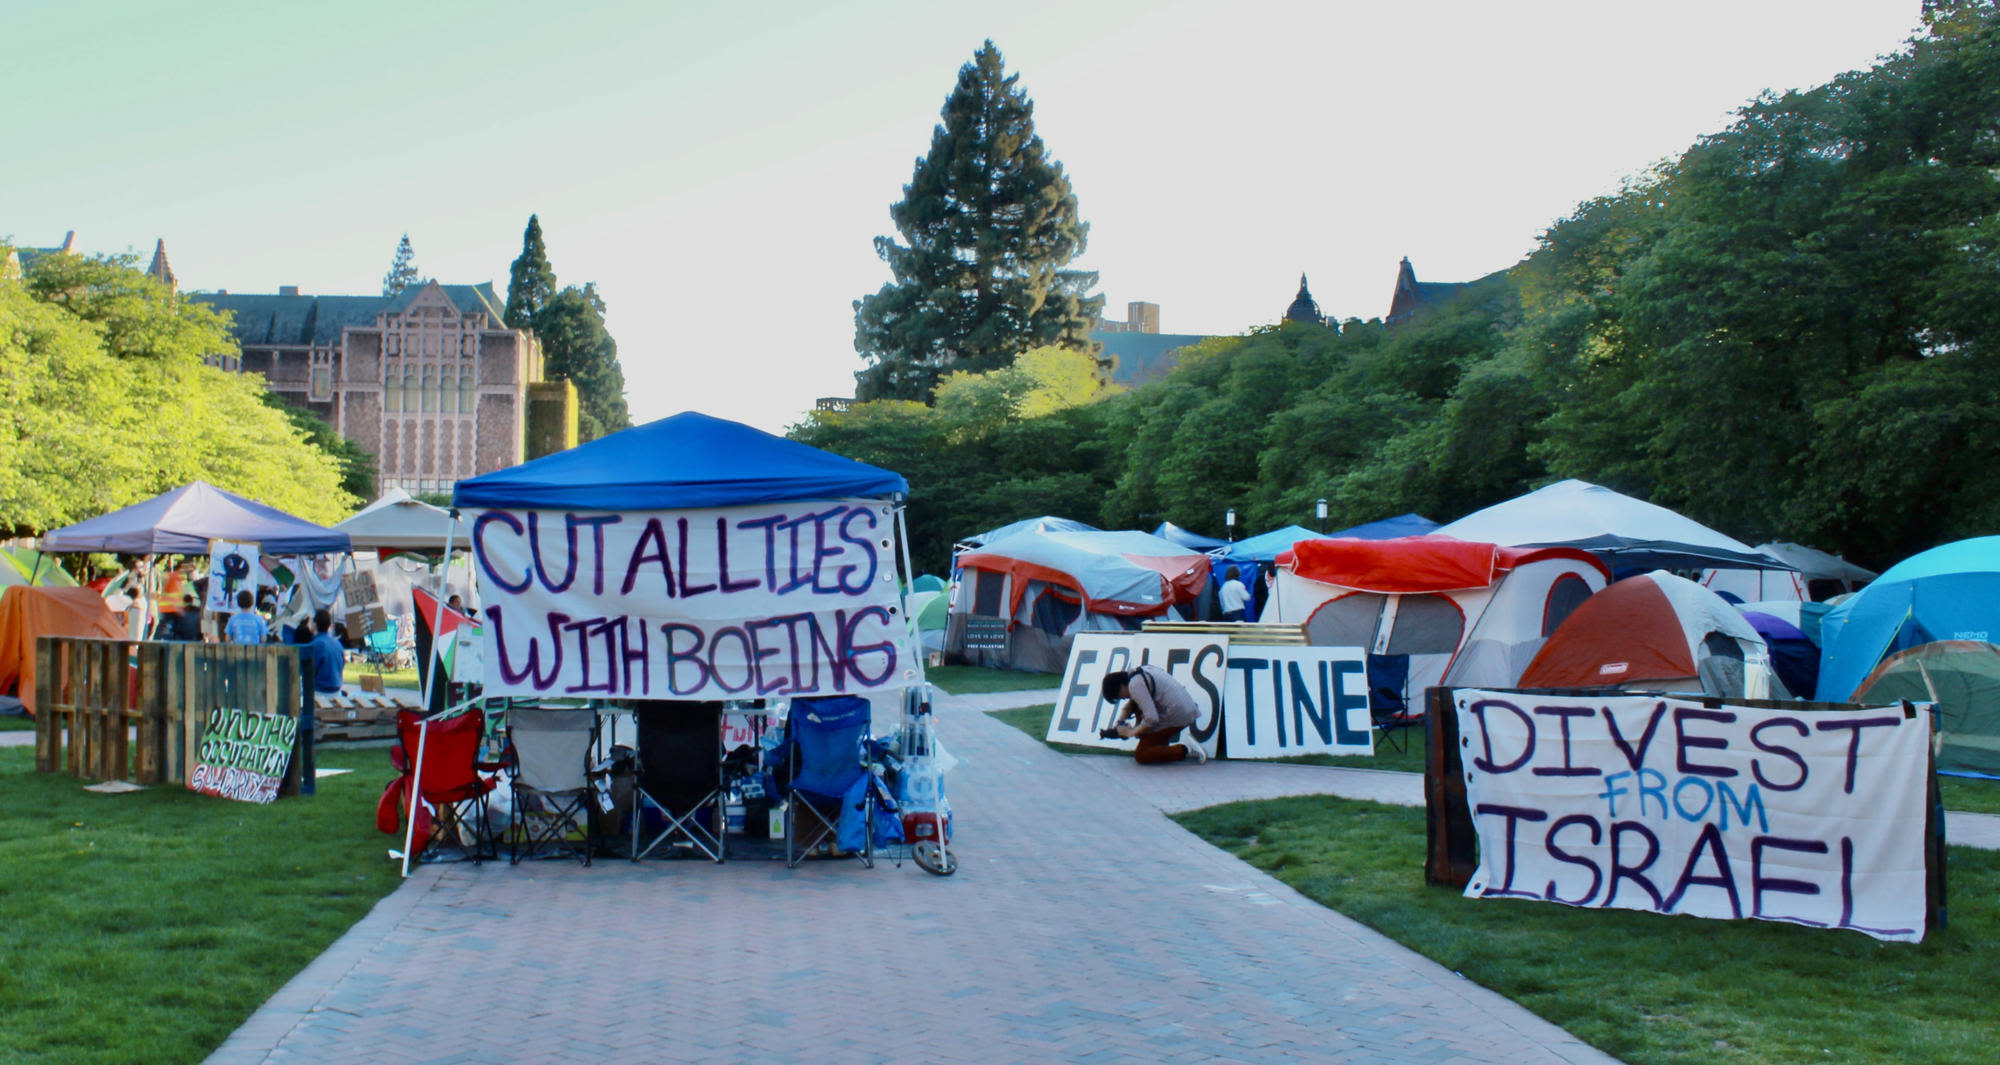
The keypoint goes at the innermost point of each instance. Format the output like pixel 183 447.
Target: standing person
pixel 1233 596
pixel 185 623
pixel 309 654
pixel 246 625
pixel 1156 709
pixel 330 659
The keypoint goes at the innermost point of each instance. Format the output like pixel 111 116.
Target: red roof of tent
pixel 1413 564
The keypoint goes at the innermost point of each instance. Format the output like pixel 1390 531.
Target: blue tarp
pixel 183 521
pixel 1401 525
pixel 1263 547
pixel 686 461
pixel 1947 593
pixel 1169 531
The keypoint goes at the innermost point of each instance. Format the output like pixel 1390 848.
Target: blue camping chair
pixel 828 781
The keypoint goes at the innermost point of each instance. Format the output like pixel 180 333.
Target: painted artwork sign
pixel 232 567
pixel 1282 701
pixel 243 754
pixel 726 603
pixel 1196 661
pixel 1649 803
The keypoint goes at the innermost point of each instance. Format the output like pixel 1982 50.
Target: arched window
pixel 392 391
pixel 430 389
pixel 410 399
pixel 467 382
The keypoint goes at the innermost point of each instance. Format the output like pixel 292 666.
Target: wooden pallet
pixel 367 716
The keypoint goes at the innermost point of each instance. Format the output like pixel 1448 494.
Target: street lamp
pixel 1320 509
pixel 1229 519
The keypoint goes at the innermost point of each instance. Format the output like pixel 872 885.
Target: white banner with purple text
pixel 727 603
pixel 1648 803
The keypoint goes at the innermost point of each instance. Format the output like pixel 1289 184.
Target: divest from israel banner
pixel 724 603
pixel 1650 803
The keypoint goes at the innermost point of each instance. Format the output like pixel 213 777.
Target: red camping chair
pixel 451 821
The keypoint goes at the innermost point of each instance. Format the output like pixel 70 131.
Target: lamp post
pixel 1229 519
pixel 1319 508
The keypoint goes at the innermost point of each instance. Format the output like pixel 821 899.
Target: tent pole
pixel 910 574
pixel 415 796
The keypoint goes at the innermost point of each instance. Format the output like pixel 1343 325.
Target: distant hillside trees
pixel 576 347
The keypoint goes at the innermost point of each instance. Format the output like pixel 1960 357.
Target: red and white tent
pixel 1466 613
pixel 1653 632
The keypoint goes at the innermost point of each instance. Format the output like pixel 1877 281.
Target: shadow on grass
pixel 147 926
pixel 1652 990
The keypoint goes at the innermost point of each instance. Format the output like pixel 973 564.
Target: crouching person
pixel 1156 708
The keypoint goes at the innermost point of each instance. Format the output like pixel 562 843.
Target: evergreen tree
pixel 533 280
pixel 403 271
pixel 577 348
pixel 989 225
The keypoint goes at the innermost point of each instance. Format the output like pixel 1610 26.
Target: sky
pixel 721 170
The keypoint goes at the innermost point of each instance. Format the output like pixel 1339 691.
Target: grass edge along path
pixel 148 926
pixel 1034 720
pixel 1649 989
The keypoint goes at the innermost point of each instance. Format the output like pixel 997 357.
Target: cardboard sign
pixel 723 603
pixel 232 568
pixel 243 754
pixel 1282 701
pixel 1196 661
pixel 1648 803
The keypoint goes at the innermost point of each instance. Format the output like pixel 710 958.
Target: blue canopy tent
pixel 1947 593
pixel 1169 531
pixel 183 521
pixel 1395 528
pixel 685 461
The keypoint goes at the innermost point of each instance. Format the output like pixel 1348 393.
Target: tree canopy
pixel 989 226
pixel 577 348
pixel 532 281
pixel 403 271
pixel 1786 333
pixel 107 401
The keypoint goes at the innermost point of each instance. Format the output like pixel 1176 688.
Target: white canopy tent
pixel 1626 533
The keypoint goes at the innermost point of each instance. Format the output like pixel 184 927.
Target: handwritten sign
pixel 1196 661
pixel 232 568
pixel 739 602
pixel 1649 803
pixel 243 754
pixel 1281 701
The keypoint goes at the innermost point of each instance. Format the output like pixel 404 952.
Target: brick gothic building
pixel 430 381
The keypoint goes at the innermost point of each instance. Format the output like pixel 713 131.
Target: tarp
pixel 183 521
pixel 1169 531
pixel 1129 573
pixel 397 522
pixel 1263 547
pixel 1794 657
pixel 1401 525
pixel 1627 533
pixel 1963 678
pixel 1646 631
pixel 1411 564
pixel 1045 523
pixel 29 613
pixel 1947 593
pixel 687 461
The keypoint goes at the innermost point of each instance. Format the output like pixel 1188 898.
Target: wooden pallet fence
pixel 124 710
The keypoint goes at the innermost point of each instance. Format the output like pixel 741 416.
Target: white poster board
pixel 723 603
pixel 1196 661
pixel 1283 701
pixel 1649 803
pixel 233 566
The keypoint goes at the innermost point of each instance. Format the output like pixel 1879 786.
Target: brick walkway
pixel 1083 926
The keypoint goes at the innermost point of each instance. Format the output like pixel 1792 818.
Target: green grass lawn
pixel 1972 796
pixel 391 678
pixel 1649 989
pixel 11 723
pixel 147 926
pixel 973 680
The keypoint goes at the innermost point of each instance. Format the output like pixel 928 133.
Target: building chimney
pixel 288 290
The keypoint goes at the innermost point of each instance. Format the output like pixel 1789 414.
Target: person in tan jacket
pixel 1156 708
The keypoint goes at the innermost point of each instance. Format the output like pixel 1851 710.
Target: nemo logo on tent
pixel 1968 636
pixel 1613 667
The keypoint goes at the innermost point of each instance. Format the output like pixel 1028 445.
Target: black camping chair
pixel 679 779
pixel 552 750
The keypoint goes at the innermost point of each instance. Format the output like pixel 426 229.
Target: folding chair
pixel 679 779
pixel 824 750
pixel 450 812
pixel 552 750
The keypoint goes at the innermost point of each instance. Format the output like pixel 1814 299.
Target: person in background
pixel 456 603
pixel 1233 596
pixel 329 658
pixel 309 654
pixel 185 622
pixel 246 625
pixel 1156 709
